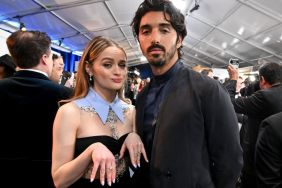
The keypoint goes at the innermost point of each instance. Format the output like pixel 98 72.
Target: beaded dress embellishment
pixel 111 122
pixel 111 119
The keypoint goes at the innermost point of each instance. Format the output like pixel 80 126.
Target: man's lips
pixel 155 51
pixel 156 48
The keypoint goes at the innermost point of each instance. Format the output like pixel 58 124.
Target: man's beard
pixel 157 63
pixel 157 60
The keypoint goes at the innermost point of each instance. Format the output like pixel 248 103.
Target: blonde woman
pixel 92 131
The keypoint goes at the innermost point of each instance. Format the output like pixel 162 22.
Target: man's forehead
pixel 155 17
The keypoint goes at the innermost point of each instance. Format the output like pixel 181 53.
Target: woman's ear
pixel 88 68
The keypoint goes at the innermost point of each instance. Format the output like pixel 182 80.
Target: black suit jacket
pixel 257 107
pixel 196 140
pixel 29 102
pixel 269 152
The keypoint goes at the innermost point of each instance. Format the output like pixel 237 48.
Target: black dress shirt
pixel 156 94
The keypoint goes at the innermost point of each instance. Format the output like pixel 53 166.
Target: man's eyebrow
pixel 145 26
pixel 165 25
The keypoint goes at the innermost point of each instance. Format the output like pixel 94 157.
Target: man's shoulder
pixel 6 82
pixel 275 121
pixel 199 80
pixel 59 88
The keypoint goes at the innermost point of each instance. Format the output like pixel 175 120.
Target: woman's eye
pixel 107 65
pixel 123 65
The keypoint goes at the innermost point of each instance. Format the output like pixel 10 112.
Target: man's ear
pixel 262 82
pixel 44 58
pixel 179 42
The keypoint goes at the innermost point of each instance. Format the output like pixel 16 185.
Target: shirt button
pixel 168 174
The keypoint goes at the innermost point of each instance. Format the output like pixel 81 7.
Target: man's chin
pixel 157 63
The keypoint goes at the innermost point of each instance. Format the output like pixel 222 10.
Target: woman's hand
pixel 102 157
pixel 135 147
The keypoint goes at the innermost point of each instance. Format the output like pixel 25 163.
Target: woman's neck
pixel 107 95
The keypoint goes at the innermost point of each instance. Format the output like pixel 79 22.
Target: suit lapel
pixel 140 107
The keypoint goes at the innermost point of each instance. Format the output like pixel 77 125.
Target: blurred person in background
pixel 261 104
pixel 58 68
pixel 7 66
pixel 207 72
pixel 29 102
pixel 268 156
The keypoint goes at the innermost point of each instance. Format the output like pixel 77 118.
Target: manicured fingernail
pixel 102 183
pixel 91 180
pixel 109 183
pixel 114 180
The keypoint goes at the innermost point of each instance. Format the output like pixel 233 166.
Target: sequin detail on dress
pixel 111 122
pixel 111 119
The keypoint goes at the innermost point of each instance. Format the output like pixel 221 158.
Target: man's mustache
pixel 156 46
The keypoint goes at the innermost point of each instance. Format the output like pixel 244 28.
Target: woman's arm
pixel 65 169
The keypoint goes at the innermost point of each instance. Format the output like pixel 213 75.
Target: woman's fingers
pixel 144 154
pixel 107 171
pixel 114 172
pixel 111 173
pixel 102 172
pixel 138 156
pixel 94 171
pixel 132 155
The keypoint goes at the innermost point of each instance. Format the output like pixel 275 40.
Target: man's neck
pixel 36 70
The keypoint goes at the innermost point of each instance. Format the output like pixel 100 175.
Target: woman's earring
pixel 90 78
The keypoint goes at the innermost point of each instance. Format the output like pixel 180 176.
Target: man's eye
pixel 164 30
pixel 144 32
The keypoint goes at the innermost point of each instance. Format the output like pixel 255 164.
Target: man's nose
pixel 155 37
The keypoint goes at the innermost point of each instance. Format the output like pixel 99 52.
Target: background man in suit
pixel 186 120
pixel 29 102
pixel 261 104
pixel 268 156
